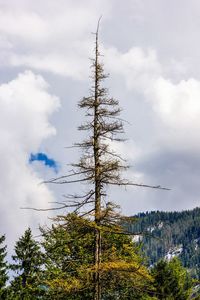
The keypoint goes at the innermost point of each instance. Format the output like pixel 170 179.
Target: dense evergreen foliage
pixel 27 267
pixel 169 234
pixel 171 280
pixel 66 267
pixel 69 265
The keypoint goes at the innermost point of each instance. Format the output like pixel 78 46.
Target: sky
pixel 151 51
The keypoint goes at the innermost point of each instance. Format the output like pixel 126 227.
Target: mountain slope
pixel 168 234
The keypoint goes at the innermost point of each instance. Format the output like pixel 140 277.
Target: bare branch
pixel 51 208
pixel 137 184
pixel 56 181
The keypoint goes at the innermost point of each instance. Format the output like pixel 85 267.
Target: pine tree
pixel 27 263
pixel 3 269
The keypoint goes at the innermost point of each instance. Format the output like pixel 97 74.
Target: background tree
pixel 27 263
pixel 171 280
pixel 3 268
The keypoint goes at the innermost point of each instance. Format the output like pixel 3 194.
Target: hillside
pixel 168 234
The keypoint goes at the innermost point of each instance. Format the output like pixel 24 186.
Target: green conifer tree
pixel 171 280
pixel 27 263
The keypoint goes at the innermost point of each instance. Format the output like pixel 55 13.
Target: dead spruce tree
pixel 99 165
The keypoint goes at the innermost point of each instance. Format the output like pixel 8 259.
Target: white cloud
pixel 54 38
pixel 167 154
pixel 57 64
pixel 25 108
pixel 29 27
pixel 176 105
pixel 138 67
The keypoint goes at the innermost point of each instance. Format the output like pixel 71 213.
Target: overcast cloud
pixel 151 50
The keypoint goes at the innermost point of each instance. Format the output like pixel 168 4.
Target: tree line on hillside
pixel 61 266
pixel 164 232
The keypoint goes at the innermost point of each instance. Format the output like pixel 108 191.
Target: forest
pixel 61 267
pixel 168 234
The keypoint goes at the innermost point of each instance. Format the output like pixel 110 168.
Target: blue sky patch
pixel 42 157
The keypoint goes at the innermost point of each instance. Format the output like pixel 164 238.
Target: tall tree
pixel 3 268
pixel 99 166
pixel 27 263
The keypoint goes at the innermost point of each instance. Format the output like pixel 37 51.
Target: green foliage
pixel 68 269
pixel 171 280
pixel 67 259
pixel 3 269
pixel 70 263
pixel 27 263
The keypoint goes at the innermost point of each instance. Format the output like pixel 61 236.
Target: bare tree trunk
pixel 97 291
pixel 97 255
